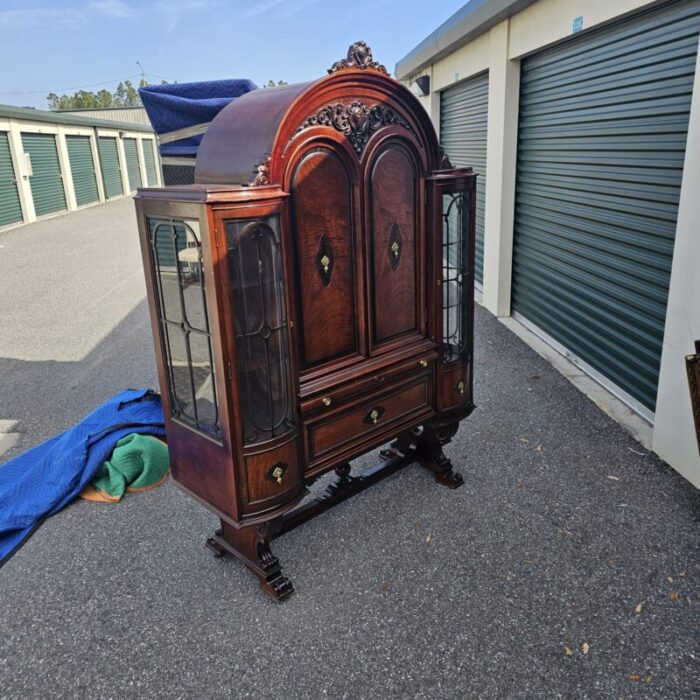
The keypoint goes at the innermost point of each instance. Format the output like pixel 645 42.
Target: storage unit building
pixel 590 112
pixel 51 162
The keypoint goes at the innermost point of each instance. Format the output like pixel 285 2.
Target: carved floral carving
pixel 359 56
pixel 356 120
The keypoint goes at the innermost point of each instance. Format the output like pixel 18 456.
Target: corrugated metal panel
pixel 10 207
pixel 463 127
pixel 46 180
pixel 603 126
pixel 133 167
pixel 123 115
pixel 150 157
pixel 111 172
pixel 82 167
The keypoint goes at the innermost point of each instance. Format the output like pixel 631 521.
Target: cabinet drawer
pixel 455 387
pixel 366 418
pixel 270 475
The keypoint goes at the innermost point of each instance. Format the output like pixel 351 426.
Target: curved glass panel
pixel 260 326
pixel 455 274
pixel 179 277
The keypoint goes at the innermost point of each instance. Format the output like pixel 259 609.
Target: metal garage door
pixel 46 180
pixel 150 158
pixel 82 168
pixel 10 207
pixel 111 172
pixel 133 166
pixel 603 125
pixel 463 121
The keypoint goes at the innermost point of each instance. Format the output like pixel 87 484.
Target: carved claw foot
pixel 428 448
pixel 252 546
pixel 445 475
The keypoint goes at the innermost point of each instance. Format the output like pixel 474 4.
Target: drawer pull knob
pixel 374 415
pixel 460 387
pixel 326 401
pixel 277 472
pixel 423 363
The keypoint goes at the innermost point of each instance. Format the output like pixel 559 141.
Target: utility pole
pixel 143 74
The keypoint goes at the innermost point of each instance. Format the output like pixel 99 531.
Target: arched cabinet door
pixel 325 258
pixel 394 245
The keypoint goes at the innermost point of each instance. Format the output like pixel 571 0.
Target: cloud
pixel 40 18
pixel 260 8
pixel 116 9
pixel 173 10
pixel 287 8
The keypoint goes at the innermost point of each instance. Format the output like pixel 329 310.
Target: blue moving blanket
pixel 48 477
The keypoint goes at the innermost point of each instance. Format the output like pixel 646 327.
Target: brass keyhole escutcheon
pixel 460 387
pixel 325 264
pixel 374 415
pixel 395 247
pixel 277 472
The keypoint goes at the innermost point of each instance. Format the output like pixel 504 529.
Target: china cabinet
pixel 311 298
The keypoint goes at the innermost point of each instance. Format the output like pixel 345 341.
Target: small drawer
pixel 271 474
pixel 455 387
pixel 360 420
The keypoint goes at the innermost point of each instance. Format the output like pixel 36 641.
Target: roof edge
pixel 46 116
pixel 472 20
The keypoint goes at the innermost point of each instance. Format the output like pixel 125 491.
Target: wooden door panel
pixel 321 190
pixel 393 243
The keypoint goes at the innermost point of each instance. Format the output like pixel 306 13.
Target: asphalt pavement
pixel 566 566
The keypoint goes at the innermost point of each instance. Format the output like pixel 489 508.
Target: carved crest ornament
pixel 356 120
pixel 359 56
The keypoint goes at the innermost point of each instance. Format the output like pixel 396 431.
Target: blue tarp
pixel 179 105
pixel 48 477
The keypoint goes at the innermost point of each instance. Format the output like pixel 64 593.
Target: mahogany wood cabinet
pixel 311 298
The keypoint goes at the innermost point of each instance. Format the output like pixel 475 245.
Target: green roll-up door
pixel 463 127
pixel 150 158
pixel 82 167
pixel 46 180
pixel 10 207
pixel 111 172
pixel 602 134
pixel 132 163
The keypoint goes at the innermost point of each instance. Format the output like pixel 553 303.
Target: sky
pixel 65 45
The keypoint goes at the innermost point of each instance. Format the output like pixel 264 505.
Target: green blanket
pixel 138 462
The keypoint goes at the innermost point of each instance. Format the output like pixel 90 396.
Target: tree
pixel 272 83
pixel 125 95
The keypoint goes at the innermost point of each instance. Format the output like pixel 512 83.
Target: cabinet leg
pixel 428 450
pixel 252 546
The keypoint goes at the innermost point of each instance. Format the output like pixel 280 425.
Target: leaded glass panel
pixel 456 284
pixel 260 326
pixel 176 247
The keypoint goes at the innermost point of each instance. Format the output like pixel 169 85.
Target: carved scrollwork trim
pixel 445 163
pixel 356 120
pixel 359 56
pixel 262 170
